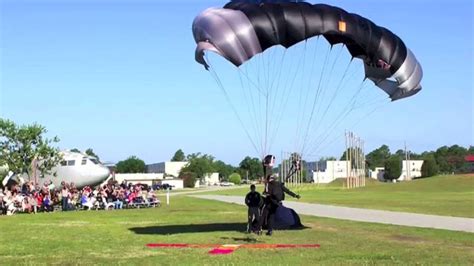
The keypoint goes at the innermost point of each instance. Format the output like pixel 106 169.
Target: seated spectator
pixel 47 203
pixel 118 203
pixel 87 201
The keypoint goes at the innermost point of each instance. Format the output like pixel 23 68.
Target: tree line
pixel 25 149
pixel 444 160
pixel 199 165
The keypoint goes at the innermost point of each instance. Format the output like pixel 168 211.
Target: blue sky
pixel 120 77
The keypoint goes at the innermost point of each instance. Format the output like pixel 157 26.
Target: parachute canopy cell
pixel 242 29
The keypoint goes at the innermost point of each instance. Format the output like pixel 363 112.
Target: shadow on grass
pixel 242 239
pixel 193 228
pixel 189 228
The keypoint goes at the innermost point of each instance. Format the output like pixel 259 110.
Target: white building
pixel 142 178
pixel 414 170
pixel 167 168
pixel 413 166
pixel 377 173
pixel 161 173
pixel 329 171
pixel 211 179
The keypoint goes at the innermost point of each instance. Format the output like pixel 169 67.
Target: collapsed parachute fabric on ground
pixel 240 30
pixel 286 218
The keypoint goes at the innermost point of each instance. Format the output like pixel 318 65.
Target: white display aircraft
pixel 77 168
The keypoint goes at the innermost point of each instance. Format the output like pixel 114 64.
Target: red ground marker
pixel 229 248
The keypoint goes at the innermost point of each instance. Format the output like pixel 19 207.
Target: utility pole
pixel 407 165
pixel 347 162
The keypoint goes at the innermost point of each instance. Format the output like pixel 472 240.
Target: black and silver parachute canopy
pixel 242 29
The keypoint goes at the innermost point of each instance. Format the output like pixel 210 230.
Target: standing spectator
pixel 64 196
pixel 253 200
pixel 3 208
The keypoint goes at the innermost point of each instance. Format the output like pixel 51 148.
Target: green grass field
pixel 119 237
pixel 441 195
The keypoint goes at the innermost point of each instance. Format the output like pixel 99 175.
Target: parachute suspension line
pixel 373 101
pixel 274 112
pixel 289 84
pixel 284 99
pixel 257 111
pixel 251 110
pixel 265 74
pixel 348 108
pixel 353 125
pixel 287 89
pixel 326 84
pixel 268 66
pixel 258 63
pixel 344 113
pixel 266 123
pixel 299 107
pixel 316 95
pixel 221 86
pixel 254 84
pixel 308 86
pixel 258 114
pixel 331 101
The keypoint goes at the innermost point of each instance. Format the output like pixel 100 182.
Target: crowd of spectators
pixel 31 198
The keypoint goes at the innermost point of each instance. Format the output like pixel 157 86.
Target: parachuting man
pixel 274 194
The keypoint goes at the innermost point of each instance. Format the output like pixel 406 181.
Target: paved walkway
pixel 207 189
pixel 366 215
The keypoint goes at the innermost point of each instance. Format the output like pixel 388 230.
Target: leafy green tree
pixel 224 170
pixel 199 164
pixel 3 171
pixel 26 150
pixel 470 150
pixel 441 156
pixel 393 168
pixel 178 156
pixel 235 178
pixel 429 167
pixel 131 165
pixel 451 159
pixel 329 158
pixel 91 153
pixel 377 157
pixel 400 153
pixel 415 156
pixel 251 167
pixel 456 155
pixel 189 179
pixel 75 150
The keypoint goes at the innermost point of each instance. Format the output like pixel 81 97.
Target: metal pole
pixel 350 159
pixel 406 162
pixel 347 164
